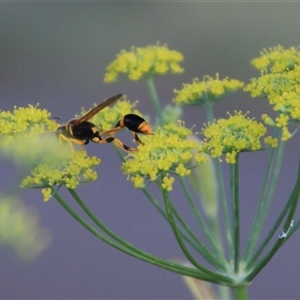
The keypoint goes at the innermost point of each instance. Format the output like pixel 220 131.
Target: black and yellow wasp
pixel 81 131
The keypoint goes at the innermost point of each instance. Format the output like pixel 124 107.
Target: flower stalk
pixel 155 99
pixel 215 224
pixel 234 181
pixel 267 193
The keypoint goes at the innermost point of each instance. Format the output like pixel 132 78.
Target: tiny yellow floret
pixel 47 194
pixel 286 135
pixel 282 120
pixel 167 183
pixel 268 120
pixel 273 142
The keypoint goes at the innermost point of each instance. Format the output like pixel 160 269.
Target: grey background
pixel 55 54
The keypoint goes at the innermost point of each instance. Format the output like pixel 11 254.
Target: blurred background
pixel 55 54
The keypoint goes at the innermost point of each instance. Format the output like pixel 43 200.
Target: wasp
pixel 81 131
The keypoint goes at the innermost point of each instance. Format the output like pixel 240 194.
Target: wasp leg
pixel 114 130
pixel 121 145
pixel 63 138
pixel 134 123
pixel 71 140
pixel 137 139
pixel 99 140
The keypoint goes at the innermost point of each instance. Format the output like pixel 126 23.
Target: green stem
pixel 208 234
pixel 240 292
pixel 209 111
pixel 286 232
pixel 203 250
pixel 270 235
pixel 265 199
pixel 177 235
pixel 295 131
pixel 155 100
pixel 221 189
pixel 215 235
pixel 187 234
pixel 234 182
pixel 263 262
pixel 135 252
pixel 224 208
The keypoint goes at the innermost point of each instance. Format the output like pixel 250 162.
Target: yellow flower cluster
pixel 274 83
pixel 142 62
pixel 20 229
pixel 208 90
pixel 69 170
pixel 108 117
pixel 26 120
pixel 25 134
pixel 283 93
pixel 233 135
pixel 166 152
pixel 278 59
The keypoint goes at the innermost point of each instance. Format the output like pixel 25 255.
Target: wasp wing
pixel 96 109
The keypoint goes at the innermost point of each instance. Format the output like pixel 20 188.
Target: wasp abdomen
pixel 135 123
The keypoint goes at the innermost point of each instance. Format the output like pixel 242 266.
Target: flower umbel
pixel 29 120
pixel 141 62
pixel 208 90
pixel 166 152
pixel 274 84
pixel 70 170
pixel 233 135
pixel 25 134
pixel 278 59
pixel 283 93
